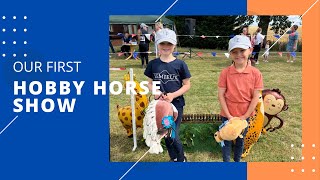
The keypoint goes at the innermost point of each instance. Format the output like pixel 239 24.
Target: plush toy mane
pixel 159 114
pixel 150 129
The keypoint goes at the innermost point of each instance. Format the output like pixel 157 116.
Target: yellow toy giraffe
pixel 125 114
pixel 255 127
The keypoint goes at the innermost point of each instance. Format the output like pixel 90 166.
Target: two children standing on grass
pixel 238 87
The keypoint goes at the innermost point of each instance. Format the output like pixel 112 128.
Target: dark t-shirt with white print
pixel 170 75
pixel 143 38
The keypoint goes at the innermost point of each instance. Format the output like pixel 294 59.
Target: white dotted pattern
pixel 303 170
pixel 13 30
pixel 302 158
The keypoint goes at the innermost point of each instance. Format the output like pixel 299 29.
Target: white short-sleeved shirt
pixel 259 39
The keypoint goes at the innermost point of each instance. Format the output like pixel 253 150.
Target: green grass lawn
pixel 202 98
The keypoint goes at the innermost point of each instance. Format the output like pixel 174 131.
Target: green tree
pixel 208 26
pixel 278 24
pixel 224 25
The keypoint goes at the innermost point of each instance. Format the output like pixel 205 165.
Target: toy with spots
pixel 255 127
pixel 125 113
pixel 274 103
pixel 159 121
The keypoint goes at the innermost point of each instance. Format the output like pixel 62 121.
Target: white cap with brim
pixel 166 35
pixel 143 25
pixel 239 41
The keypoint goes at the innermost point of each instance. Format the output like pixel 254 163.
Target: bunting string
pixel 201 54
pixel 277 36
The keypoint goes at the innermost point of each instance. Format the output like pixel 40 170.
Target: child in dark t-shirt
pixel 175 77
pixel 144 40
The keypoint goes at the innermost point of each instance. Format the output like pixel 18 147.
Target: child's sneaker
pixel 185 159
pixel 173 160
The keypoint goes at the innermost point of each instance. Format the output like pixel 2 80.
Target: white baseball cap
pixel 143 25
pixel 239 41
pixel 166 35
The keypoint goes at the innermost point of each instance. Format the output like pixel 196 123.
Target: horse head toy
pixel 158 122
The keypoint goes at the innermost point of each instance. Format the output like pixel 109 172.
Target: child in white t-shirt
pixel 266 54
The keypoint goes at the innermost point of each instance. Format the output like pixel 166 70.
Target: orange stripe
pixel 310 90
pixel 278 7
